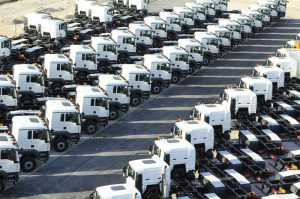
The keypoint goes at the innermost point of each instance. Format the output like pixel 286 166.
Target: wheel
pixel 140 51
pixel 102 67
pixel 191 70
pixel 209 154
pixel 113 113
pixel 81 76
pixel 56 87
pixel 206 61
pixel 175 79
pixel 26 101
pixel 2 185
pixel 220 53
pixel 60 144
pixel 28 163
pixel 190 175
pixel 156 89
pixel 90 127
pixel 135 100
pixel 226 135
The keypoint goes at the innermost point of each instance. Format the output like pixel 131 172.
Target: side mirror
pixel 125 171
pixel 151 147
pixel 192 113
pixel 92 195
pixel 172 130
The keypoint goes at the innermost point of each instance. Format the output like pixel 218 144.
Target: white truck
pixel 102 15
pixel 93 106
pixel 256 17
pixel 29 80
pixel 143 37
pixel 33 140
pixel 235 29
pixel 150 176
pixel 216 115
pixel 160 69
pixel 187 18
pixel 224 36
pixel 83 60
pixel 8 96
pixel 210 42
pixel 53 30
pixel 173 24
pixel 116 191
pixel 5 52
pixel 138 5
pixel 139 79
pixel 221 7
pixel 179 59
pixel 274 74
pixel 159 29
pixel 287 64
pixel 117 89
pixel 33 22
pixel 273 6
pixel 9 161
pixel 179 154
pixel 266 12
pixel 210 8
pixel 196 54
pixel 291 53
pixel 198 133
pixel 106 53
pixel 199 13
pixel 58 72
pixel 246 24
pixel 261 86
pixel 240 102
pixel 83 8
pixel 64 123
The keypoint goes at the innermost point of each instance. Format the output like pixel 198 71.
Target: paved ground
pixel 99 160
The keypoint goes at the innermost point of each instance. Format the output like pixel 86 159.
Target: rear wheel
pixel 60 144
pixel 206 61
pixel 113 113
pixel 175 79
pixel 28 163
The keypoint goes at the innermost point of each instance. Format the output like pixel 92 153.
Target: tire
pixel 102 67
pixel 60 144
pixel 135 100
pixel 220 53
pixel 28 163
pixel 156 89
pixel 90 127
pixel 26 101
pixel 191 70
pixel 2 185
pixel 175 79
pixel 206 61
pixel 113 114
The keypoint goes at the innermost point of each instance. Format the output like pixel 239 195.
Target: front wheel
pixel 113 113
pixel 156 89
pixel 60 144
pixel 28 164
pixel 206 61
pixel 175 79
pixel 191 70
pixel 90 127
pixel 135 100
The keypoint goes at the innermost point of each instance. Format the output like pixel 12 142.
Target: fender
pixel 3 107
pixel 3 175
pixel 65 134
pixel 176 70
pixel 29 152
pixel 158 80
pixel 26 93
pixel 91 117
pixel 114 104
pixel 135 91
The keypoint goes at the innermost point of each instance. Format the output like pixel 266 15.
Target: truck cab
pixel 58 72
pixel 291 53
pixel 106 52
pixel 53 29
pixel 93 106
pixel 198 133
pixel 33 22
pixel 126 43
pixel 84 61
pixel 199 13
pixel 143 37
pixel 5 46
pixel 216 115
pixel 150 176
pixel 210 6
pixel 287 64
pixel 210 42
pixel 265 11
pixel 187 18
pixel 173 24
pixel 30 85
pixel 139 79
pixel 261 86
pixel 159 29
pixel 117 89
pixel 221 7
pixel 9 161
pixel 8 96
pixel 273 6
pixel 116 191
pixel 33 141
pixel 179 154
pixel 274 74
pixel 179 59
pixel 256 18
pixel 245 22
pixel 196 55
pixel 224 36
pixel 83 8
pixel 160 70
pixel 240 102
pixel 235 29
pixel 101 14
pixel 64 122
pixel 138 5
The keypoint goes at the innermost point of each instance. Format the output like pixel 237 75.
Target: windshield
pixel 266 11
pixel 225 35
pixel 176 131
pixel 102 102
pixel 258 17
pixel 123 90
pixel 6 44
pixel 37 79
pixel 145 77
pixel 175 21
pixel 73 117
pixel 201 10
pixel 236 28
pixel 255 73
pixel 189 15
pixel 111 48
pixel 213 42
pixel 62 26
pixel 224 2
pixel 165 66
pixel 160 26
pixel 182 57
pixel 130 40
pixel 283 2
pixel 10 91
pixel 147 33
pixel 287 45
pixel 211 5
pixel 66 67
pixel 110 12
pixel 9 155
pixel 130 172
pixel 246 22
pixel 196 49
pixel 269 63
pixel 156 150
pixel 91 57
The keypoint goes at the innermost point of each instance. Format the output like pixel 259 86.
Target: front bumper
pixel 146 95
pixel 124 107
pixel 74 137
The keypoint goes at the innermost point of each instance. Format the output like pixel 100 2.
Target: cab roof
pixel 205 35
pixel 3 38
pixel 265 69
pixel 5 81
pixel 60 105
pixel 156 58
pixel 154 19
pixel 121 33
pixel 102 41
pixel 28 122
pixel 255 80
pixel 165 15
pixel 111 191
pixel 191 125
pixel 26 69
pixel 56 57
pixel 173 49
pixel 81 49
pixel 133 68
pixel 168 145
pixel 182 9
pixel 138 26
pixel 90 91
pixel 144 164
pixel 6 141
pixel 234 92
pixel 189 43
pixel 109 79
pixel 217 28
pixel 206 109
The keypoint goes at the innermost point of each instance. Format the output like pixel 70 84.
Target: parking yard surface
pixel 99 160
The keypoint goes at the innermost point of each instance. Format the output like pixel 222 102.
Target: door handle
pixel 32 146
pixel 65 128
pixel 1 100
